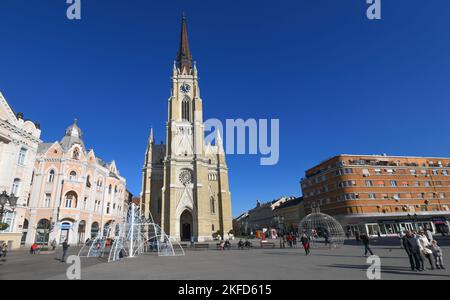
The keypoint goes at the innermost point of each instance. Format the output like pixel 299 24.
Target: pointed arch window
pixel 51 176
pixel 213 205
pixel 186 109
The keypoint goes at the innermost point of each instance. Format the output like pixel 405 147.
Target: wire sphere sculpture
pixel 322 230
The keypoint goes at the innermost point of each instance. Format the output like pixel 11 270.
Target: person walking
pixel 438 255
pixel 4 249
pixel 65 247
pixel 366 242
pixel 305 242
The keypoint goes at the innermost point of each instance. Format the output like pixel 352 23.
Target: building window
pixel 445 172
pixel 73 176
pixel 372 196
pixel 88 181
pixel 9 219
pixel 15 187
pixel 377 171
pixel 47 200
pixel 186 109
pixel 212 227
pixel 369 183
pixel 108 208
pixel 213 205
pixel 51 176
pixel 110 189
pixel 71 200
pixel 393 183
pixel 85 203
pixel 426 183
pixel 22 155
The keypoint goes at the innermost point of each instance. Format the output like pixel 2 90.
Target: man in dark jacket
pixel 366 242
pixel 412 249
pixel 65 247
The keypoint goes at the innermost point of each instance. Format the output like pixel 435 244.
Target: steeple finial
pixel 184 57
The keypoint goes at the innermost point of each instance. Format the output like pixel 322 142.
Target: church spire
pixel 184 57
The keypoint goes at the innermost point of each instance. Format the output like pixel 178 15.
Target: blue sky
pixel 338 82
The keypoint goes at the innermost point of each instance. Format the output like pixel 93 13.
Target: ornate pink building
pixel 74 193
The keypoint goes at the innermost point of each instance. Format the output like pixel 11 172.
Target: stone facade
pixel 185 182
pixel 19 141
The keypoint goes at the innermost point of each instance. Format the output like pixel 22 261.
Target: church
pixel 185 182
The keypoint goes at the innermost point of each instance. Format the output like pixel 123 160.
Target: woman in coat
pixel 425 248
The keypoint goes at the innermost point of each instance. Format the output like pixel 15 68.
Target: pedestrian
pixel 121 254
pixel 366 242
pixel 425 248
pixel 412 250
pixel 53 244
pixel 289 239
pixel 305 242
pixel 429 234
pixel 357 235
pixel 4 249
pixel 34 248
pixel 438 255
pixel 65 247
pixel 294 241
pixel 401 235
pixel 192 242
pixel 327 238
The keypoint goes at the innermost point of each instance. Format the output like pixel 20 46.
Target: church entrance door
pixel 186 226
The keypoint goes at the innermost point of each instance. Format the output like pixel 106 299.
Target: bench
pixel 268 245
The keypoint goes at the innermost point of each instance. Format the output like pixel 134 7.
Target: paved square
pixel 256 264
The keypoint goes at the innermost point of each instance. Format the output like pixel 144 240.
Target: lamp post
pixel 7 199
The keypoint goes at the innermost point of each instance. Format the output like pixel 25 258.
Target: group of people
pixel 244 245
pixel 420 246
pixel 224 245
pixel 289 239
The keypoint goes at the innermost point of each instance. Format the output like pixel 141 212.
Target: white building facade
pixel 19 140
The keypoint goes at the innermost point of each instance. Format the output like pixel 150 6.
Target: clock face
pixel 185 88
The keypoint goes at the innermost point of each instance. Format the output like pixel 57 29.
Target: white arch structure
pixel 137 236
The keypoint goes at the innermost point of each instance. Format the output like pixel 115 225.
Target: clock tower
pixel 185 182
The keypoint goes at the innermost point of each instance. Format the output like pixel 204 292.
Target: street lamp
pixel 7 199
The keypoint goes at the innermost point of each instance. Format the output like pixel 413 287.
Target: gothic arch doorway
pixel 186 226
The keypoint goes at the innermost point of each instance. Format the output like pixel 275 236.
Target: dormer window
pixel 76 154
